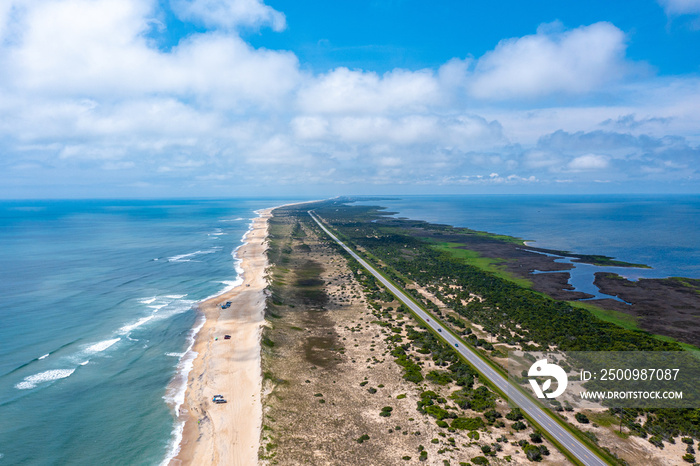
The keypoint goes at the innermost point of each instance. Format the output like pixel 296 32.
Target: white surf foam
pixel 175 296
pixel 42 377
pixel 229 285
pixel 175 394
pixel 128 328
pixel 84 362
pixel 148 300
pixel 44 356
pixel 186 257
pixel 101 346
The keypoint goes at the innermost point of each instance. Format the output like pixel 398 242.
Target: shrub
pixel 532 452
pixel 439 413
pixel 582 418
pixel 514 415
pixel 363 438
pixel 386 411
pixel 657 441
pixel 492 415
pixel 468 423
pixel 689 458
pixel 536 437
pixel 439 377
pixel 518 426
pixel 480 460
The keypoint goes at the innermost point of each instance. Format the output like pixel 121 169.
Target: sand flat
pixel 229 433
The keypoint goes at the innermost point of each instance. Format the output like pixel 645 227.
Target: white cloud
pixel 86 90
pixel 99 48
pixel 588 162
pixel 229 13
pixel 310 127
pixel 574 61
pixel 680 7
pixel 346 91
pixel 460 132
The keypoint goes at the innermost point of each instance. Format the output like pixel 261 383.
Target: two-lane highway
pixel 546 423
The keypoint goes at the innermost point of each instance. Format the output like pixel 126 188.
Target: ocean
pixel 97 312
pixel 661 231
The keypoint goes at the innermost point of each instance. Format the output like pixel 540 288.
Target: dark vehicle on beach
pixel 227 337
pixel 218 399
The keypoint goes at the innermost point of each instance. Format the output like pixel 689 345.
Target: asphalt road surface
pixel 563 436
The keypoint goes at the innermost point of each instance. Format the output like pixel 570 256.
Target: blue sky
pixel 182 98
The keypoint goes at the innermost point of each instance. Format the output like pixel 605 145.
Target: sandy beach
pixel 229 433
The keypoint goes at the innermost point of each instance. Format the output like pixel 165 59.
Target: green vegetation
pixel 488 264
pixel 505 308
pixel 604 261
pixel 471 423
pixel 615 317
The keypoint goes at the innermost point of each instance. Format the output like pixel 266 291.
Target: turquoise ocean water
pixel 661 231
pixel 96 316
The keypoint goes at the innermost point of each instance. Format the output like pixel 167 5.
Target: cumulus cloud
pixel 229 13
pixel 87 93
pixel 641 155
pixel 355 91
pixel 98 48
pixel 574 61
pixel 463 132
pixel 589 162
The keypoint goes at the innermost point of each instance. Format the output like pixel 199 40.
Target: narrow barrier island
pixel 352 377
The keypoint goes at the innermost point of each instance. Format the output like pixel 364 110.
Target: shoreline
pixel 227 433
